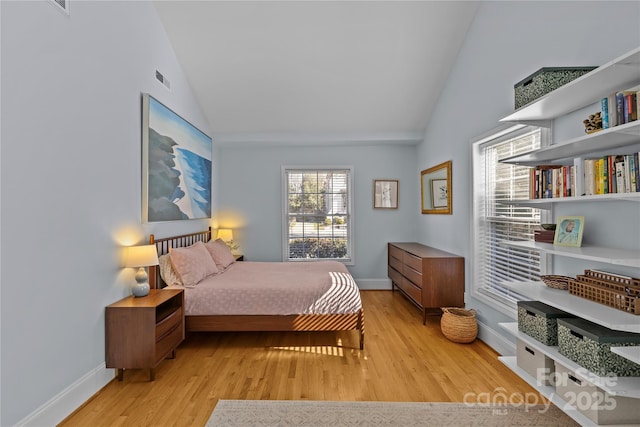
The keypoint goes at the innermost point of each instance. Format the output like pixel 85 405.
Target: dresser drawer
pixel 167 343
pixel 413 262
pixel 413 275
pixel 394 275
pixel 414 292
pixel 395 252
pixel 395 263
pixel 168 323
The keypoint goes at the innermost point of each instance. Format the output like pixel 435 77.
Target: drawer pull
pixel 574 379
pixel 530 351
pixel 577 335
pixel 530 313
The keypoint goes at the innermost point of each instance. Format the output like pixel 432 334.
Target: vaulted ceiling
pixel 316 71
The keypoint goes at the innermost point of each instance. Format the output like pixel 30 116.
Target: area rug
pixel 312 413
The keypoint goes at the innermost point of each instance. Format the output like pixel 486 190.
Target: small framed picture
pixel 385 194
pixel 439 198
pixel 569 231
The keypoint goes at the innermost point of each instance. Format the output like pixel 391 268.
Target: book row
pixel 620 107
pixel 603 175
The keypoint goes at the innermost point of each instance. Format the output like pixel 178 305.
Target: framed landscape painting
pixel 176 166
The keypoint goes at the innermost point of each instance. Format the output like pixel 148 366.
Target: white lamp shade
pixel 140 256
pixel 225 234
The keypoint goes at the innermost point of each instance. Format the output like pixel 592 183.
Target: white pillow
pixel 167 273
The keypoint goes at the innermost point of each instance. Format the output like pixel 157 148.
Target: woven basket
pixel 556 282
pixel 459 325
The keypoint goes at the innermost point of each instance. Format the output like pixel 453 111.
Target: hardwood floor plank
pixel 403 360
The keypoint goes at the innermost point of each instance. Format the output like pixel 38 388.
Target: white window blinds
pixel 317 214
pixel 495 221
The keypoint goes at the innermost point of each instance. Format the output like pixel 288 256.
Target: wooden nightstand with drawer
pixel 142 332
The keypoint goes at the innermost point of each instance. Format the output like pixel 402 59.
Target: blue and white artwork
pixel 177 157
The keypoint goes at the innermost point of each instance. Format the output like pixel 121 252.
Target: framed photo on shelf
pixel 385 194
pixel 569 231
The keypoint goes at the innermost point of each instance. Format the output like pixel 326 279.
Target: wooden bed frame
pixel 228 323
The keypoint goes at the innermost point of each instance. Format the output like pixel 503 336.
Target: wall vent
pixel 62 5
pixel 162 79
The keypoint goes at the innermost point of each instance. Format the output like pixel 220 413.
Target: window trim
pixel 284 211
pixel 495 300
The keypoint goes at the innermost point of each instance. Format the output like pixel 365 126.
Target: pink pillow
pixel 192 263
pixel 220 253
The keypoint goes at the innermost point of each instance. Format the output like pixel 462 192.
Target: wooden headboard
pixel 163 245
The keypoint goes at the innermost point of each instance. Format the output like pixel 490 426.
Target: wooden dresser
pixel 429 277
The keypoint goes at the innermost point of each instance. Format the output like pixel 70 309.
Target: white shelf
pixel 548 203
pixel 623 138
pixel 547 391
pixel 618 386
pixel 630 352
pixel 614 256
pixel 581 307
pixel 620 73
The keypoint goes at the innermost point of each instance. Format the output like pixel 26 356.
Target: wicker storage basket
pixel 556 282
pixel 459 325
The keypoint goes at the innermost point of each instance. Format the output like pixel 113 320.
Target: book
pixel 605 172
pixel 620 178
pixel 578 168
pixel 589 177
pixel 632 173
pixel 613 112
pixel 619 108
pixel 627 174
pixel 604 112
pixel 611 173
pixel 636 159
pixel 630 107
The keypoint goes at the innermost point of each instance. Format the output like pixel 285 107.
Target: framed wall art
pixel 176 166
pixel 435 185
pixel 385 193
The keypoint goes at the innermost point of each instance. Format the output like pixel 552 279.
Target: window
pixel 317 220
pixel 494 222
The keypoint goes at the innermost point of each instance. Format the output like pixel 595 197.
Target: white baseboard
pixel 374 284
pixel 496 340
pixel 69 399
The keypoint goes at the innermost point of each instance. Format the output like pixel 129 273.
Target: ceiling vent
pixel 162 79
pixel 62 5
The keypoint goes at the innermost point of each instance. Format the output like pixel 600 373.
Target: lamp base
pixel 141 288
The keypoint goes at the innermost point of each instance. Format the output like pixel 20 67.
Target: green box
pixel 539 321
pixel 589 345
pixel 544 81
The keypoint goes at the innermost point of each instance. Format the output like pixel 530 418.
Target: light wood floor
pixel 403 360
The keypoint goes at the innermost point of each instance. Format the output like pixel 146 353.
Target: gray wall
pixel 251 198
pixel 71 173
pixel 507 42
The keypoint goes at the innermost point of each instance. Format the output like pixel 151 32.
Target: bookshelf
pixel 618 74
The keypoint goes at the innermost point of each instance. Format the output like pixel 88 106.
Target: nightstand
pixel 142 332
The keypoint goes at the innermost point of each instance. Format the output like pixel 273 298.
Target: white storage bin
pixel 593 402
pixel 535 363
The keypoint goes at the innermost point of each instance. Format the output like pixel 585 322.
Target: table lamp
pixel 226 235
pixel 141 256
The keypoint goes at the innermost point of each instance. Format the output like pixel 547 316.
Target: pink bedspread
pixel 261 288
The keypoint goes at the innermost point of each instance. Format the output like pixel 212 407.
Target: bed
pixel 261 296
